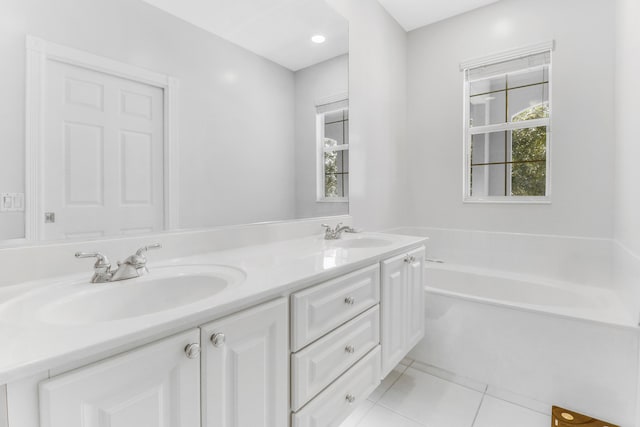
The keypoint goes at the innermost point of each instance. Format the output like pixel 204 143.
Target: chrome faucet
pixel 102 267
pixel 132 267
pixel 335 233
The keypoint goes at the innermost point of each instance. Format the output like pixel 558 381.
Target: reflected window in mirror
pixel 333 152
pixel 507 138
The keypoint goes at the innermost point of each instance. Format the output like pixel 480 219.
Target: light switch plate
pixel 18 202
pixel 11 202
pixel 6 202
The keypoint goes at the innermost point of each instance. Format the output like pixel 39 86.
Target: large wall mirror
pixel 129 116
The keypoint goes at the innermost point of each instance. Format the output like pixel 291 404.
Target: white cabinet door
pixel 245 371
pixel 156 385
pixel 415 295
pixel 401 306
pixel 393 306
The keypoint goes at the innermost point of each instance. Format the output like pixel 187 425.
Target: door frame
pixel 38 52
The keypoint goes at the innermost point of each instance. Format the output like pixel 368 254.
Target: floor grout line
pixel 375 402
pixel 449 380
pixel 475 418
pixel 365 415
pixel 523 406
pixel 399 414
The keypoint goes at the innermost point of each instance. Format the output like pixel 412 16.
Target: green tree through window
pixel 529 154
pixel 330 169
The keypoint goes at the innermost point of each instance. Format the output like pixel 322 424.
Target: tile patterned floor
pixel 416 395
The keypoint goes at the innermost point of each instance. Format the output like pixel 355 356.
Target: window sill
pixel 508 200
pixel 333 200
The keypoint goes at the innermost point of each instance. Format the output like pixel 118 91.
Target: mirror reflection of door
pixel 103 154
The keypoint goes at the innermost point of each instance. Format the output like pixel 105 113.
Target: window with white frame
pixel 507 128
pixel 332 121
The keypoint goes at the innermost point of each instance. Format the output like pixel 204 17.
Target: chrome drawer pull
pixel 350 398
pixel 192 351
pixel 350 300
pixel 350 349
pixel 409 258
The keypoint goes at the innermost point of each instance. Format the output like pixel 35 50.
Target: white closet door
pixel 103 154
pixel 157 385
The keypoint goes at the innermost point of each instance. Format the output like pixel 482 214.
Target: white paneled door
pixel 103 154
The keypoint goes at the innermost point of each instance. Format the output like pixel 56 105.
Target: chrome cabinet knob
pixel 218 339
pixel 350 300
pixel 192 351
pixel 350 398
pixel 350 349
pixel 407 259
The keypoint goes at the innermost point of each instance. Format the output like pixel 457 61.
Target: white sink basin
pixel 361 242
pixel 163 289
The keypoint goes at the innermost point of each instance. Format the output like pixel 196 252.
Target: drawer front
pixel 337 401
pixel 322 362
pixel 324 307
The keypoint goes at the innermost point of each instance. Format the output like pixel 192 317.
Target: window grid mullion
pixel 501 127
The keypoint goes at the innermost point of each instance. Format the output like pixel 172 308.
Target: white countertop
pixel 30 346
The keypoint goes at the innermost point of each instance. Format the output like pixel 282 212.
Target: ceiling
pixel 279 30
pixel 412 14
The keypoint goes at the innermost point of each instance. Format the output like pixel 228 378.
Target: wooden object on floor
pixel 561 417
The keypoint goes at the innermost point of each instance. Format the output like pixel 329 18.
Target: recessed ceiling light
pixel 318 38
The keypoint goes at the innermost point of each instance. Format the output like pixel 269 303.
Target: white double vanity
pixel 294 332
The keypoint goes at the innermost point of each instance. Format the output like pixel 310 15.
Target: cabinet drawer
pixel 338 400
pixel 322 362
pixel 324 307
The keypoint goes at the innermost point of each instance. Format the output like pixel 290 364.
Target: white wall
pixel 377 119
pixel 627 110
pixel 236 113
pixel 582 145
pixel 627 193
pixel 627 177
pixel 312 85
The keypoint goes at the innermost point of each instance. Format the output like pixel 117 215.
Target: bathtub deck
pixel 416 395
pixel 535 294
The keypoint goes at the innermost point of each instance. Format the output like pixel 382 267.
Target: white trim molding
pixel 339 97
pixel 508 55
pixel 38 52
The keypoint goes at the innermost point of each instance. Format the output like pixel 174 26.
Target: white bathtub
pixel 529 293
pixel 555 342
